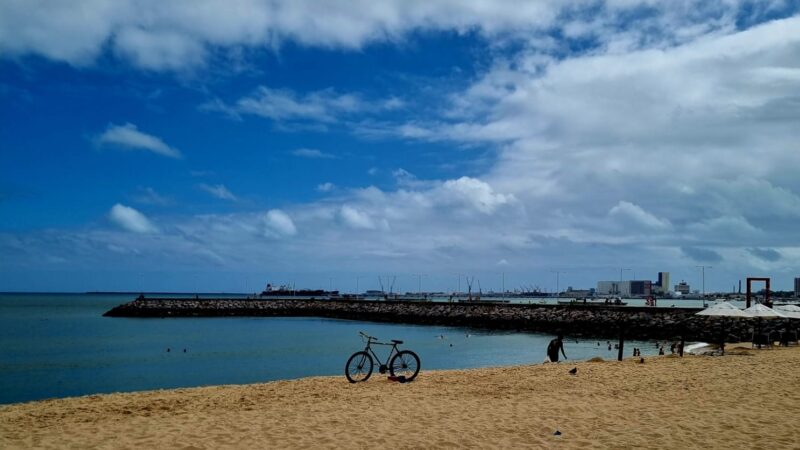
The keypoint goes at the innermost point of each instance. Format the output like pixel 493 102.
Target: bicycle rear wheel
pixel 358 367
pixel 405 363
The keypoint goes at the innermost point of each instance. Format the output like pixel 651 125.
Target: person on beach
pixel 553 348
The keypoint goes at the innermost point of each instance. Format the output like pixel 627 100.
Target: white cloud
pixel 279 223
pixel 129 137
pixel 312 153
pixel 323 107
pixel 150 196
pixel 130 219
pixel 635 213
pixel 283 104
pixel 153 35
pixel 355 218
pixel 218 191
pixel 474 193
pixel 326 187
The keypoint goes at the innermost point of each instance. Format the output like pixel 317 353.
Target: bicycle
pixel 404 364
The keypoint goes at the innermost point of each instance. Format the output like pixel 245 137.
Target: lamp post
pixel 703 274
pixel 419 283
pixel 558 279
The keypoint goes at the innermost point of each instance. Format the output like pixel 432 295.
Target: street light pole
pixel 703 272
pixel 419 283
pixel 558 279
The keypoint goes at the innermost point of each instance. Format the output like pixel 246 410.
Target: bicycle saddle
pixel 396 341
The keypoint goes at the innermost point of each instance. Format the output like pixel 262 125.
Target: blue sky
pixel 222 145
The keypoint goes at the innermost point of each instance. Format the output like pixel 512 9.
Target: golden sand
pixel 745 400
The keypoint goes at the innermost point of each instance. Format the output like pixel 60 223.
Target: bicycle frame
pixel 368 349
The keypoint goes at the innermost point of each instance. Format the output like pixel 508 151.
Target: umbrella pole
pixel 722 343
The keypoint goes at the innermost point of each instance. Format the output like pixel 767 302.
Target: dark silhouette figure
pixel 573 371
pixel 553 348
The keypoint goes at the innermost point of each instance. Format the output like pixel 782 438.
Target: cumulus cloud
pixel 355 218
pixel 278 223
pixel 156 37
pixel 218 191
pixel 634 213
pixel 312 153
pixel 473 193
pixel 130 219
pixel 128 137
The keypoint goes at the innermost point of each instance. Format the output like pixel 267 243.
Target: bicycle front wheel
pixel 358 367
pixel 405 363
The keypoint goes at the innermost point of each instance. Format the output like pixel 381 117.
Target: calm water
pixel 61 346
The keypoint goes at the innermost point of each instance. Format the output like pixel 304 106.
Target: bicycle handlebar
pixel 367 336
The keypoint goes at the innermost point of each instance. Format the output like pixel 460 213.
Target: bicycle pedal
pixel 382 369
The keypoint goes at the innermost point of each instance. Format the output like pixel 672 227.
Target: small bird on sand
pixel 573 371
pixel 557 433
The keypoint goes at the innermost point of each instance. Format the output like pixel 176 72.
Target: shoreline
pixel 748 397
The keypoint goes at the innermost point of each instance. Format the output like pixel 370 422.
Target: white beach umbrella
pixel 791 311
pixel 722 309
pixel 759 311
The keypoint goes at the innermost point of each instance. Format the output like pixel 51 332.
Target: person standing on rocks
pixel 553 348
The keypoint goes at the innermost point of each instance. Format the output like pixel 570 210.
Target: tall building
pixel 797 287
pixel 682 287
pixel 662 285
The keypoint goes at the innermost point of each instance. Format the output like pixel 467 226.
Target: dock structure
pixel 574 320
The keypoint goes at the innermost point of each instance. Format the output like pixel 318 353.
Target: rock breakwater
pixel 575 320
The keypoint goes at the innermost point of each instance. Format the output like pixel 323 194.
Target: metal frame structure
pixel 750 291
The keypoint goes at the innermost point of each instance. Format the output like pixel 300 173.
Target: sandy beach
pixel 747 399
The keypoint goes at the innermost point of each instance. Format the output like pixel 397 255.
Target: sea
pixel 60 345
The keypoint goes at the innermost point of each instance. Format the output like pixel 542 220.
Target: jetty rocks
pixel 572 320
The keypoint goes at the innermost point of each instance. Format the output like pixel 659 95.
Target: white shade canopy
pixel 791 311
pixel 722 309
pixel 759 311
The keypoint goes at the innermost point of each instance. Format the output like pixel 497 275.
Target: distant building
pixel 608 288
pixel 797 287
pixel 662 285
pixel 640 288
pixel 632 288
pixel 682 288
